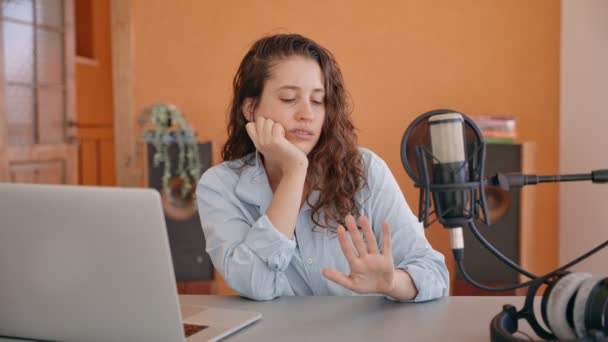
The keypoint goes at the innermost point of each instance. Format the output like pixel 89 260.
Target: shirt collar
pixel 253 186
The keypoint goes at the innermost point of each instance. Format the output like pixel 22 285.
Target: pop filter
pixel 443 152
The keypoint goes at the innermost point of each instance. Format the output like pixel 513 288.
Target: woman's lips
pixel 301 134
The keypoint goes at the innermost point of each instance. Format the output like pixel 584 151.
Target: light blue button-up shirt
pixel 261 263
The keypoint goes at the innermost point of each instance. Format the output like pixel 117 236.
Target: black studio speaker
pixel 186 239
pixel 504 211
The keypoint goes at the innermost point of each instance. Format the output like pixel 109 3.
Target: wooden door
pixel 37 142
pixel 94 103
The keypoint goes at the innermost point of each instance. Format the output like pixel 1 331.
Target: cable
pixel 496 253
pixel 458 255
pixel 579 259
pixel 470 280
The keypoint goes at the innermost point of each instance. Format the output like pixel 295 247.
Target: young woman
pixel 280 213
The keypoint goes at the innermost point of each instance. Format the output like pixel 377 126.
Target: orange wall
pixel 399 59
pixel 94 104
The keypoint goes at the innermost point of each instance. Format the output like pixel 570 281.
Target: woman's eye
pixel 319 102
pixel 288 100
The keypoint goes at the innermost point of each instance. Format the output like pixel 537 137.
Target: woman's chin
pixel 305 150
pixel 303 146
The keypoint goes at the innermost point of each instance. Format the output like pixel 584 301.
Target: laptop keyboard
pixel 191 329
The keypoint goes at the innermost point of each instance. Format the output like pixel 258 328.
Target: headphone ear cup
pixel 557 304
pixel 545 298
pixel 580 304
pixel 596 312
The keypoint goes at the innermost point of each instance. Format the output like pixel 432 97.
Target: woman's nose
pixel 305 112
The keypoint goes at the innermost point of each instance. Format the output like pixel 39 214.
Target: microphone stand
pixel 505 182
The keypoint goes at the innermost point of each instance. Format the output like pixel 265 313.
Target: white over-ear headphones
pixel 574 307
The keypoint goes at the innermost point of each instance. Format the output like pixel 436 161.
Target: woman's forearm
pixel 285 205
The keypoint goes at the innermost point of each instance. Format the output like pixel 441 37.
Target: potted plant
pixel 163 126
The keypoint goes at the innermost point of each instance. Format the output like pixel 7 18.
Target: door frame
pixel 4 165
pixel 123 87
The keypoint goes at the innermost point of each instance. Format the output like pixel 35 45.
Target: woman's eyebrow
pixel 292 87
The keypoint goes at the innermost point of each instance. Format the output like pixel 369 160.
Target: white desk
pixel 363 318
pixel 366 318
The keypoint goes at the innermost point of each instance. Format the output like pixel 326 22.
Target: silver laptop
pixel 93 264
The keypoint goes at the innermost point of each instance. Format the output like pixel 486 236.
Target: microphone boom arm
pixel 506 181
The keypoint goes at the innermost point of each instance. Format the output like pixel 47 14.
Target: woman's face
pixel 294 96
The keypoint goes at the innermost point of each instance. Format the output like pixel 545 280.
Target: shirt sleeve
pixel 251 258
pixel 411 250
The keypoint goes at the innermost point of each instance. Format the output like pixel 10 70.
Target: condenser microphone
pixel 443 152
pixel 449 166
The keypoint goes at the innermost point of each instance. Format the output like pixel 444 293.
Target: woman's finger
pixel 268 131
pixel 347 247
pixel 251 130
pixel 372 244
pixel 355 235
pixel 339 278
pixel 387 244
pixel 278 131
pixel 259 126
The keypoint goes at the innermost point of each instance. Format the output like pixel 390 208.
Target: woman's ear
pixel 248 108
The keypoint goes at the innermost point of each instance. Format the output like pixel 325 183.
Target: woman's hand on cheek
pixel 269 138
pixel 371 271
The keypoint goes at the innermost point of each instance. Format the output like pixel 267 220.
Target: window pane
pixel 20 114
pixel 18 52
pixel 18 9
pixel 50 12
pixel 50 57
pixel 51 109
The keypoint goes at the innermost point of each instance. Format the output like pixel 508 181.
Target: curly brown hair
pixel 336 167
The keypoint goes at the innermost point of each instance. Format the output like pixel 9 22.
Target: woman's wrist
pixel 295 171
pixel 402 287
pixel 295 168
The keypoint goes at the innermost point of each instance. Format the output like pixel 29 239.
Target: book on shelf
pixel 497 129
